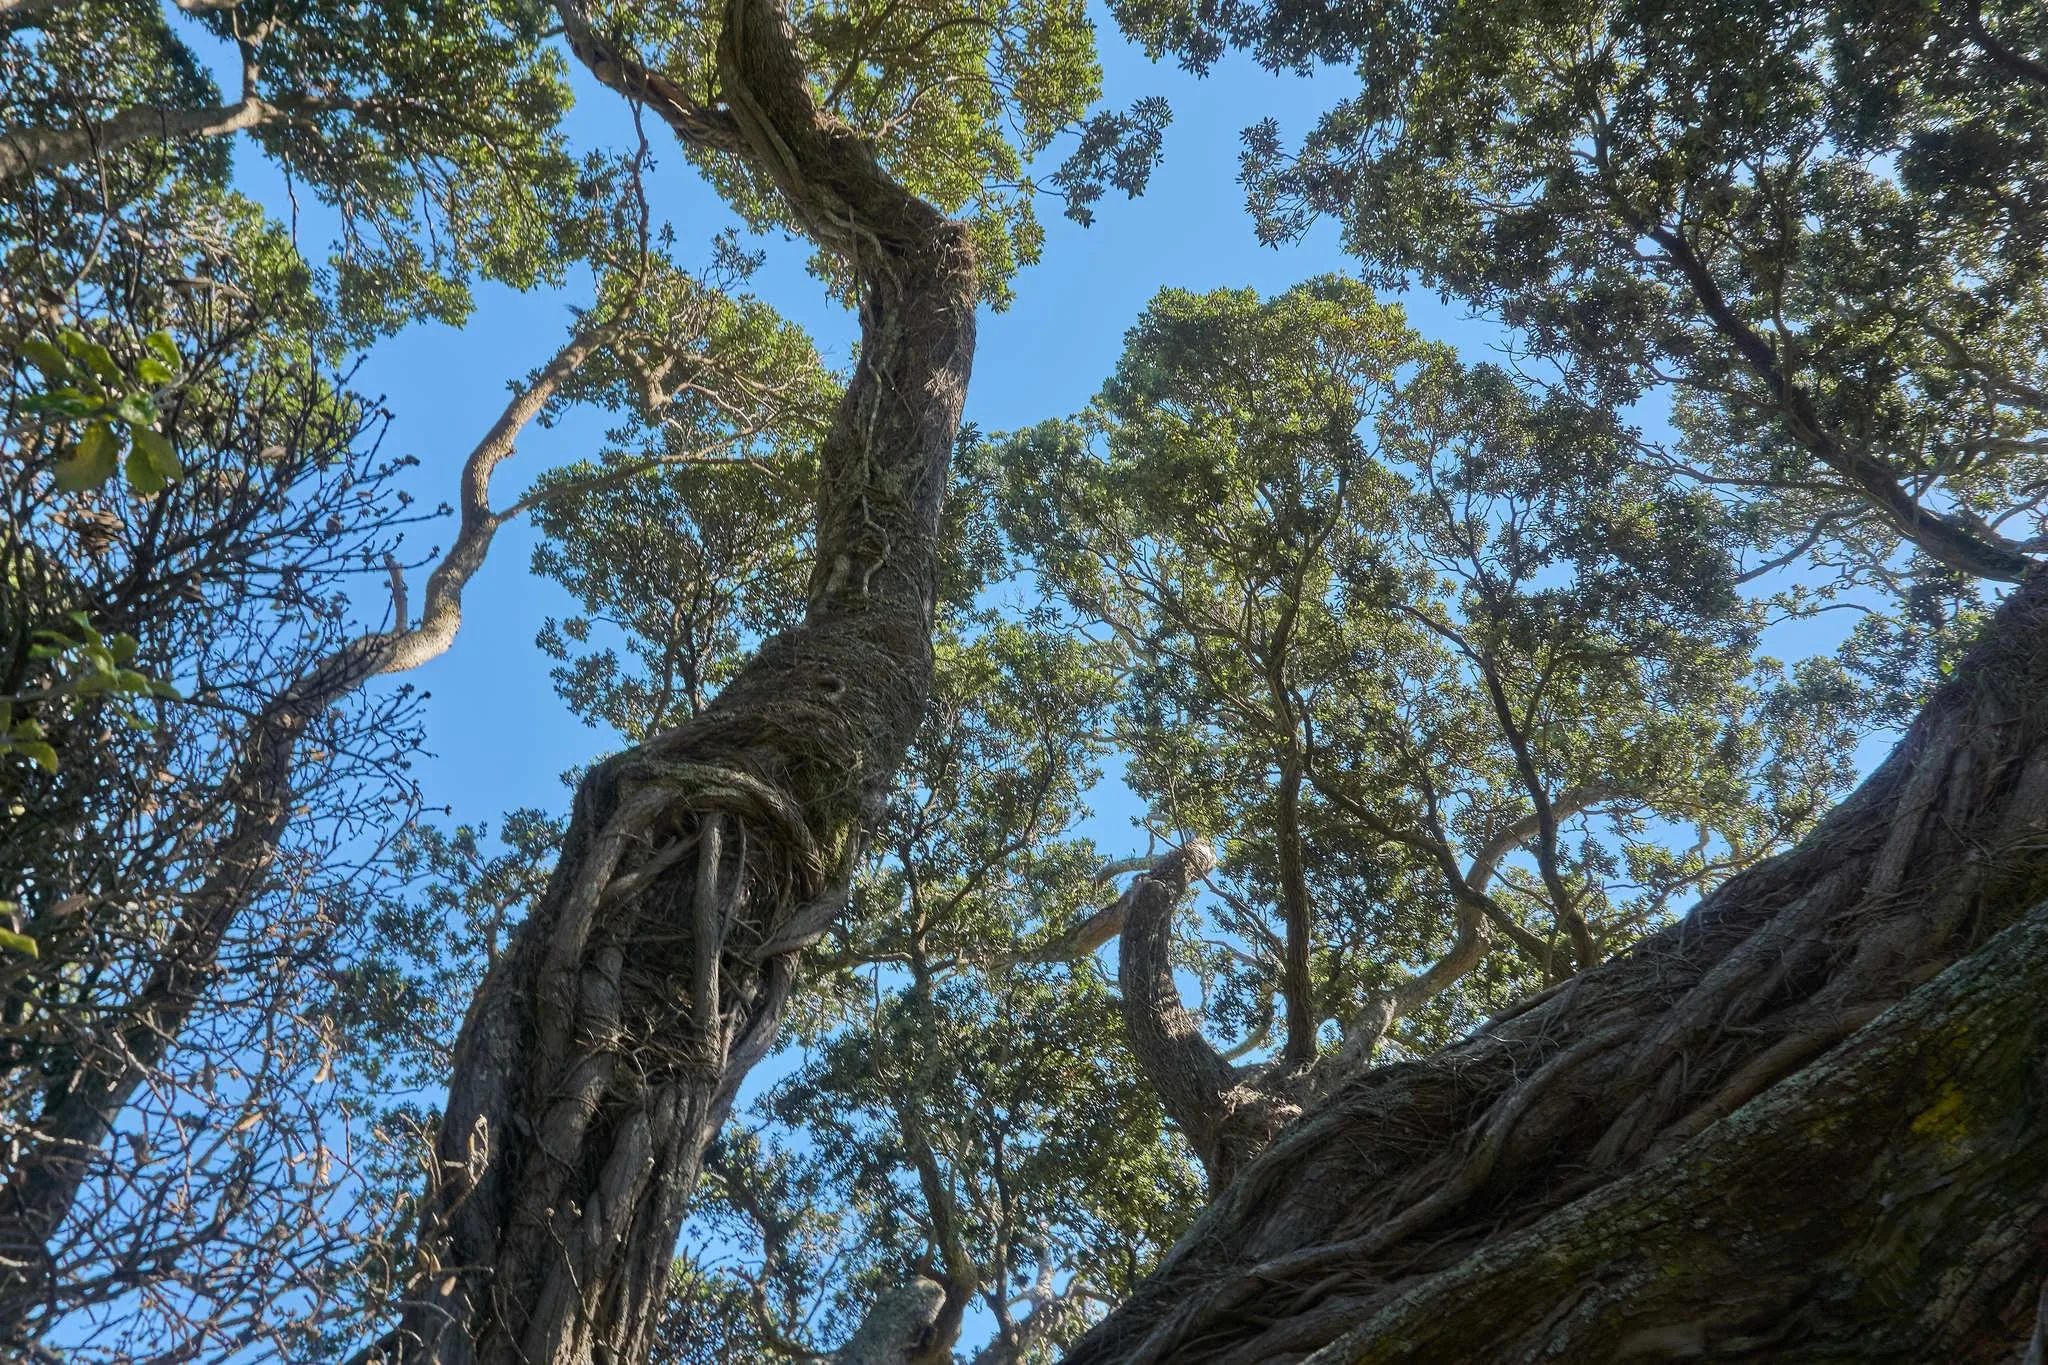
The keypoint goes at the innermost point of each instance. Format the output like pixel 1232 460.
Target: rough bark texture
pixel 1766 1133
pixel 901 1325
pixel 1227 1113
pixel 603 1052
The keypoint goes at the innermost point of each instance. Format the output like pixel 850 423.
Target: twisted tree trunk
pixel 1807 1123
pixel 604 1050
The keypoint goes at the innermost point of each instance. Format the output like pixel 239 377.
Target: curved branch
pixel 1227 1114
pixel 1083 938
pixel 696 124
pixel 1948 540
pixel 1572 801
pixel 1363 1032
pixel 2007 59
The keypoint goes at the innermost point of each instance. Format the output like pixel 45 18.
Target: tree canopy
pixel 1306 854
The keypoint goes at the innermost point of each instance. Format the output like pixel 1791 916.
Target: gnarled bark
pixel 1909 1160
pixel 1227 1113
pixel 603 1051
pixel 1634 1114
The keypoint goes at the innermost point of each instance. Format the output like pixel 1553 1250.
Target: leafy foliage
pixel 958 99
pixel 1371 608
pixel 1817 224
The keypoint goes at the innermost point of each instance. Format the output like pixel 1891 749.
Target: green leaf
pixel 137 410
pixel 154 371
pixel 144 475
pixel 39 753
pixel 96 357
pixel 157 448
pixel 160 345
pixel 142 471
pixel 91 462
pixel 48 359
pixel 19 943
pixel 60 404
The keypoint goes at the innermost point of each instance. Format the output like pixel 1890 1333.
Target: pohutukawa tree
pixel 605 1047
pixel 1432 663
pixel 1439 684
pixel 1729 1142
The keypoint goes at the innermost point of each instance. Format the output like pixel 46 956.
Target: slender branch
pixel 1383 1008
pixel 1083 938
pixel 1947 539
pixel 697 124
pixel 80 1115
pixel 2013 63
pixel 1563 903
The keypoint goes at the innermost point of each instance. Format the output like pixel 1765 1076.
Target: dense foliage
pixel 1314 695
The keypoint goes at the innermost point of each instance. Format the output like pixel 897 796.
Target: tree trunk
pixel 604 1050
pixel 1806 1123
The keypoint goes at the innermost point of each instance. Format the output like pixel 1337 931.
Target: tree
pixel 226 821
pixel 1767 210
pixel 1814 222
pixel 149 305
pixel 964 1121
pixel 604 1049
pixel 1436 665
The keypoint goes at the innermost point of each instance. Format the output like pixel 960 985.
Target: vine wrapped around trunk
pixel 1768 1132
pixel 603 1051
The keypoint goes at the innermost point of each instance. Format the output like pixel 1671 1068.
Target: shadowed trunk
pixel 1804 1124
pixel 603 1051
pixel 1227 1113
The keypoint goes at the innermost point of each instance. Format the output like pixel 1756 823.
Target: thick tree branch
pixel 695 123
pixel 1225 1113
pixel 1877 1158
pixel 2007 59
pixel 899 1327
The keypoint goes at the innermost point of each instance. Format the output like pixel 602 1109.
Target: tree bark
pixel 603 1051
pixel 1227 1113
pixel 1802 1124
